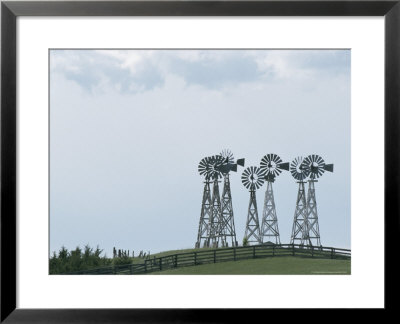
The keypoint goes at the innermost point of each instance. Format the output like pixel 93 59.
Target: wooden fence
pixel 205 256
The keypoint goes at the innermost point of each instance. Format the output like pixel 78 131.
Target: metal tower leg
pixel 299 229
pixel 252 232
pixel 269 224
pixel 228 224
pixel 214 233
pixel 312 216
pixel 202 234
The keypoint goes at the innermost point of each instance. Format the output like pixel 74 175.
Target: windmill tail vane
pixel 240 162
pixel 284 166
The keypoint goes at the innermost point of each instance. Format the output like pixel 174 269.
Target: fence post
pixel 160 263
pixel 234 254
pixel 176 260
pixel 215 256
pixel 254 251
pixel 145 265
pixel 131 268
pixel 332 253
pixel 195 258
pixel 273 250
pixel 312 251
pixel 293 249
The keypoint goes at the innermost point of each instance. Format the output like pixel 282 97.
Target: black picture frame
pixel 10 10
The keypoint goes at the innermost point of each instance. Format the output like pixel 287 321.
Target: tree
pixel 77 260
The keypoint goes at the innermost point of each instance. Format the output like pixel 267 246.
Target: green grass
pixel 171 252
pixel 272 265
pixel 268 260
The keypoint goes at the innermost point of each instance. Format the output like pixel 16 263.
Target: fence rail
pixel 220 255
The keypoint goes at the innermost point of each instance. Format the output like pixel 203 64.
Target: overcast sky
pixel 129 127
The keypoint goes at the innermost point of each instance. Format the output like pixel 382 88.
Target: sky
pixel 128 129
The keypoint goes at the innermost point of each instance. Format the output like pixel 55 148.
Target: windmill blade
pixel 320 160
pixel 275 158
pixel 245 174
pixel 259 177
pixel 245 178
pixel 205 167
pixel 259 183
pixel 328 167
pixel 284 166
pixel 233 167
pixel 240 162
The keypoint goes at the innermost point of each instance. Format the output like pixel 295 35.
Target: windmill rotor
pixel 316 166
pixel 228 156
pixel 229 162
pixel 271 165
pixel 252 178
pixel 298 169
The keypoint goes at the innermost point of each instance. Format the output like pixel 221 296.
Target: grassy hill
pixel 276 266
pixel 256 259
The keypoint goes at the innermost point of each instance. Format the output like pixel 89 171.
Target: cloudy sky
pixel 129 127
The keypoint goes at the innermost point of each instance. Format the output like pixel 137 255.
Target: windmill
pixel 299 229
pixel 228 225
pixel 316 167
pixel 205 169
pixel 271 166
pixel 215 221
pixel 252 179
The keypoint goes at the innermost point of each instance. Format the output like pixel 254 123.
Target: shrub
pixel 76 260
pixel 122 260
